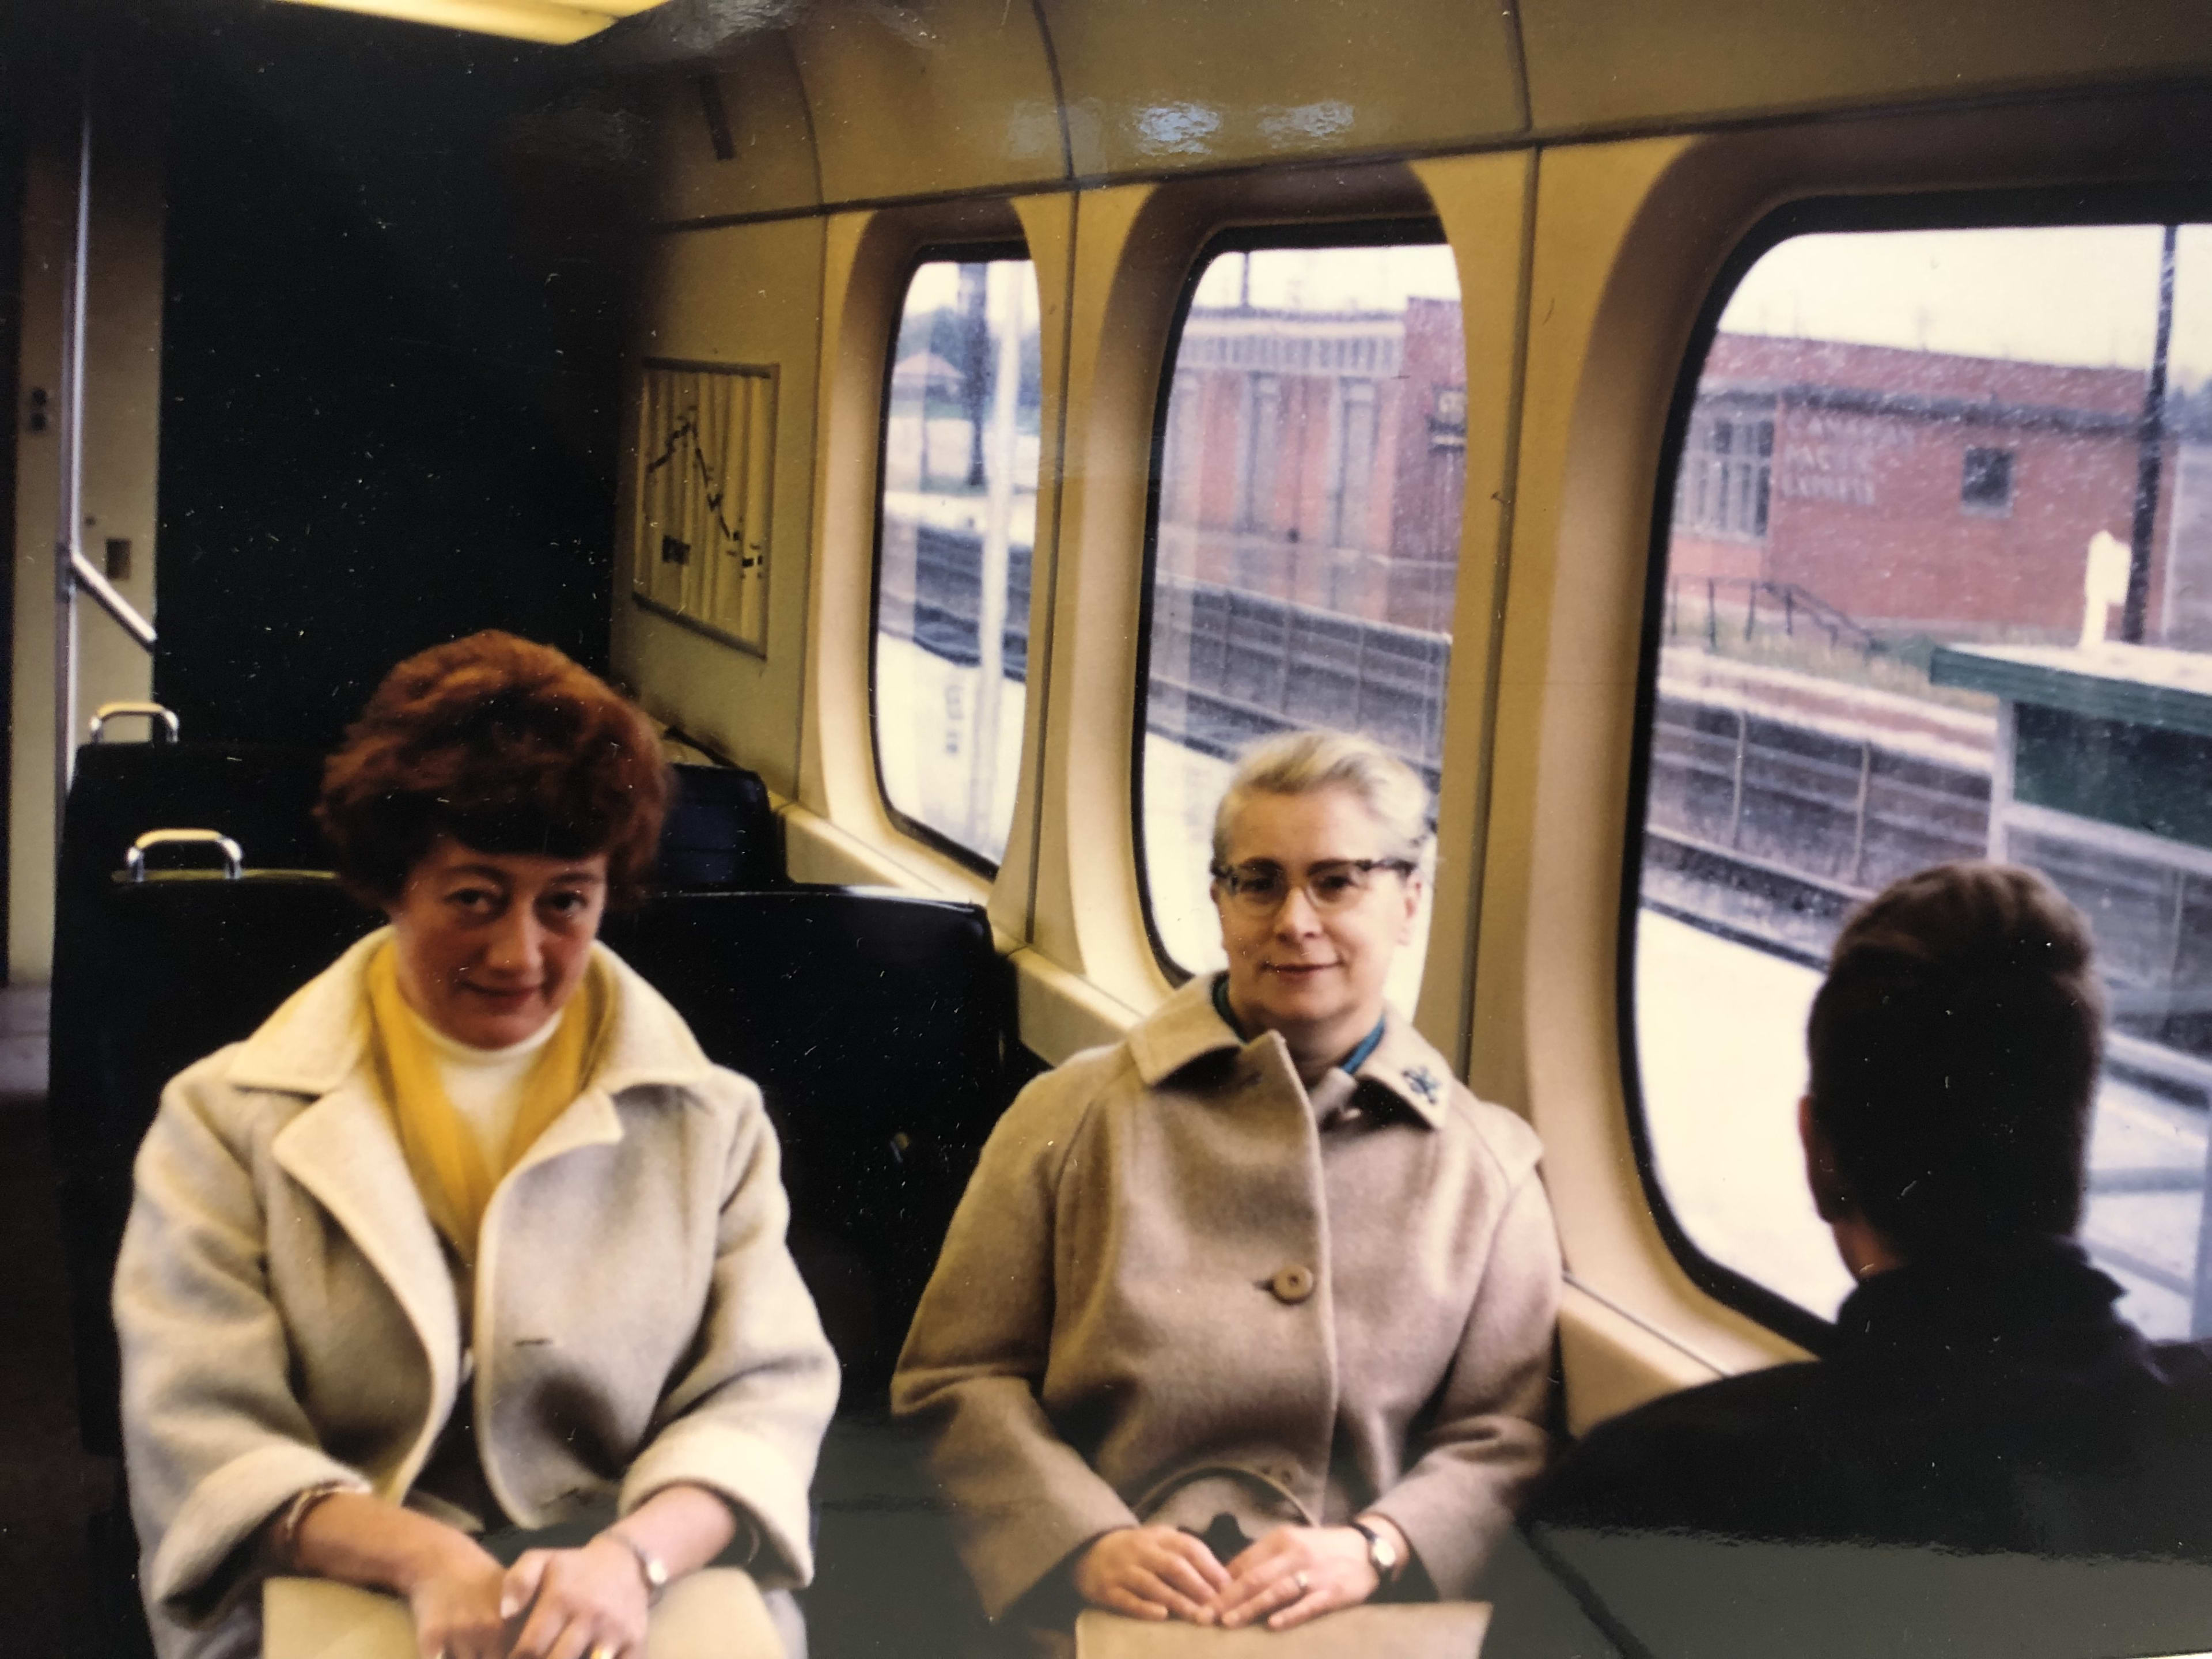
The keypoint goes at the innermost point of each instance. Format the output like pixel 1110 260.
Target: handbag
pixel 1402 1630
pixel 714 1612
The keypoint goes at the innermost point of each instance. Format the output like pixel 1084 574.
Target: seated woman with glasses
pixel 1249 1317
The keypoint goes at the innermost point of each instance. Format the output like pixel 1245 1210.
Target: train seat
pixel 721 830
pixel 721 833
pixel 260 795
pixel 878 1025
pixel 165 972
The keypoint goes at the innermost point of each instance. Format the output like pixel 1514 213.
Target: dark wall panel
pixel 387 391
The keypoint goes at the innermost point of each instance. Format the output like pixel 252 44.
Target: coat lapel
pixel 343 1151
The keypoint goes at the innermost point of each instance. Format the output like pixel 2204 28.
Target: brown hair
pixel 1955 1046
pixel 508 747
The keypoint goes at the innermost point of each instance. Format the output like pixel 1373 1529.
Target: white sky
pixel 1332 278
pixel 2079 294
pixel 938 284
pixel 2085 294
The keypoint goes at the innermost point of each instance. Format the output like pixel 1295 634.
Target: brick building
pixel 1319 457
pixel 1921 489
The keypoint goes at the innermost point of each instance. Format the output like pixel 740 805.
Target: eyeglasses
pixel 1260 889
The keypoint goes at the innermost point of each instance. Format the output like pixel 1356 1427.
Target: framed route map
pixel 705 466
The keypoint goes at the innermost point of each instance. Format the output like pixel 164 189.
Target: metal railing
pixel 1788 604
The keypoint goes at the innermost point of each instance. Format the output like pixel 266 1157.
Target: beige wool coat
pixel 1179 1287
pixel 288 1317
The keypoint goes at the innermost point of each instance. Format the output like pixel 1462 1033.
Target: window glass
pixel 958 524
pixel 1938 586
pixel 1312 461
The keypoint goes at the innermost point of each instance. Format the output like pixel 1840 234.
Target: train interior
pixel 1739 452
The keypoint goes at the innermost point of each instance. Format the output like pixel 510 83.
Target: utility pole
pixel 1003 432
pixel 974 361
pixel 2150 441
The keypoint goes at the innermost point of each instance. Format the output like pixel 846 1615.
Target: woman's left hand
pixel 587 1603
pixel 1294 1573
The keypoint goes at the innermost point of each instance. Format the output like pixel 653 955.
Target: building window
pixel 1826 677
pixel 1312 456
pixel 1985 483
pixel 1727 474
pixel 957 525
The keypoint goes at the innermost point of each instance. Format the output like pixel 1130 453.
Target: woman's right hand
pixel 454 1596
pixel 450 1582
pixel 1150 1573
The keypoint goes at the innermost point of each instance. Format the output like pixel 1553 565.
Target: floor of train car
pixel 48 1488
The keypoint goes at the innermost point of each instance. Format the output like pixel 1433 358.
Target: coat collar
pixel 319 1039
pixel 342 1149
pixel 1187 1028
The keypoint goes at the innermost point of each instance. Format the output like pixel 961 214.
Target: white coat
pixel 289 1318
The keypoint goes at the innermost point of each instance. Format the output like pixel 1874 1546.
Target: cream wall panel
pixel 771 165
pixel 1060 1015
pixel 740 293
pixel 123 370
pixel 913 100
pixel 1601 62
pixel 1483 201
pixel 1544 1033
pixel 1163 85
pixel 817 850
pixel 1088 907
pixel 1614 1365
pixel 1048 228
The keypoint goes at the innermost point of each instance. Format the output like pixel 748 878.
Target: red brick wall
pixel 1865 508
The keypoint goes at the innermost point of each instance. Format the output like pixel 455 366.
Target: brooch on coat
pixel 1422 1082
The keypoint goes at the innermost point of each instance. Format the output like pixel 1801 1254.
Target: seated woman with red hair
pixel 470 1237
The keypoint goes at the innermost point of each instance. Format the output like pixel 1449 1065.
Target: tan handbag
pixel 1414 1630
pixel 715 1613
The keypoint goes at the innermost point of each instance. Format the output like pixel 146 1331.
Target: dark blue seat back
pixel 877 1026
pixel 166 972
pixel 721 833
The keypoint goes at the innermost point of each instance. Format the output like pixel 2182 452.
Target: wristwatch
pixel 1382 1553
pixel 654 1569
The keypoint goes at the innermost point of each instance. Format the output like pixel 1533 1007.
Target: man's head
pixel 1955 1047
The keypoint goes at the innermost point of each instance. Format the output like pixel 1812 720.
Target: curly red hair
pixel 505 746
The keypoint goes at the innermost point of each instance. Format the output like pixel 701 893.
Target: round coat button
pixel 1292 1285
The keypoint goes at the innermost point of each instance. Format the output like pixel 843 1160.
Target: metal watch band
pixel 655 1569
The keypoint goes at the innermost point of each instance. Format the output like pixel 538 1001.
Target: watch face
pixel 1382 1553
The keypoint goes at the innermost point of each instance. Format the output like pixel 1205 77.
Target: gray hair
pixel 1300 762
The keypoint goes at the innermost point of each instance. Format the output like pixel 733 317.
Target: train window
pixel 1311 460
pixel 956 522
pixel 1937 584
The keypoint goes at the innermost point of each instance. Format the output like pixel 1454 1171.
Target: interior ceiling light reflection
pixel 554 22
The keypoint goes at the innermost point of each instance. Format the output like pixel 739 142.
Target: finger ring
pixel 1302 1581
pixel 604 1650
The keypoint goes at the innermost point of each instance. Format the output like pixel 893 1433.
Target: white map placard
pixel 706 453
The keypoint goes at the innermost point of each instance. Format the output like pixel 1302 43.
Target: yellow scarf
pixel 450 1169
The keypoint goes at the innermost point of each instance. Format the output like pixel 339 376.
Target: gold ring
pixel 604 1650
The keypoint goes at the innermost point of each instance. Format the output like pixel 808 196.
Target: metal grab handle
pixel 158 719
pixel 134 861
